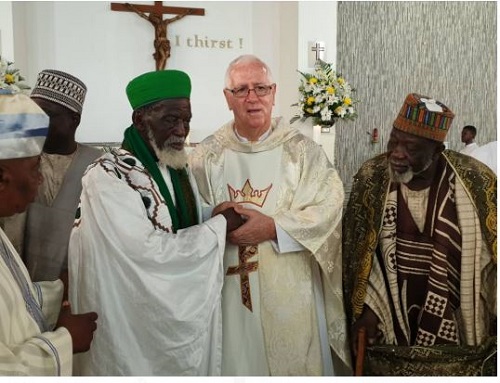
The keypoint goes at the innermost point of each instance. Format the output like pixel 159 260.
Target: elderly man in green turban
pixel 138 252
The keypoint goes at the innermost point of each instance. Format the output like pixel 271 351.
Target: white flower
pixel 322 95
pixel 341 111
pixel 326 114
pixel 11 80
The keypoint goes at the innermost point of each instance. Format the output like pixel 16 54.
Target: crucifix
pixel 154 14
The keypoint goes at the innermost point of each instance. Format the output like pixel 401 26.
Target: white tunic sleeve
pixel 47 354
pixel 50 298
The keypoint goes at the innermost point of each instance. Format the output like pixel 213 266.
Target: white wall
pixel 106 49
pixel 6 31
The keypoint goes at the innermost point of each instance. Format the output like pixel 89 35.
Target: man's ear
pixel 138 120
pixel 228 98
pixel 77 118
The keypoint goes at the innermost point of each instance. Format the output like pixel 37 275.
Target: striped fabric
pixel 425 117
pixel 23 127
pixel 24 348
pixel 427 264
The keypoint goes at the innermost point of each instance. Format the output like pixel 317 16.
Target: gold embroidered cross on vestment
pixel 243 269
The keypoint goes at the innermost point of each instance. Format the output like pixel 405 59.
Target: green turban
pixel 156 86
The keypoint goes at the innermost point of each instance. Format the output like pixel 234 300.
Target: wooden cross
pixel 154 14
pixel 318 49
pixel 244 268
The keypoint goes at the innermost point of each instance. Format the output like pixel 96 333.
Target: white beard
pixel 401 178
pixel 404 178
pixel 176 159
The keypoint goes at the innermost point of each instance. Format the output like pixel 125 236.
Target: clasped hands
pixel 251 228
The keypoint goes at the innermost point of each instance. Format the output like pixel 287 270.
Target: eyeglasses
pixel 260 91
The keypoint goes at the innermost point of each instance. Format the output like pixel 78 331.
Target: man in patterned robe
pixel 38 333
pixel 137 251
pixel 419 248
pixel 282 301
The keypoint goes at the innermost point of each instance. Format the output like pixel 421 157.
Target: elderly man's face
pixel 409 155
pixel 165 126
pixel 252 111
pixel 168 121
pixel 19 183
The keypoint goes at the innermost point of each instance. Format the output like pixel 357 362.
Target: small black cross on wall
pixel 318 48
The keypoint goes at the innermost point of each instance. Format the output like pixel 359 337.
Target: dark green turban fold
pixel 156 86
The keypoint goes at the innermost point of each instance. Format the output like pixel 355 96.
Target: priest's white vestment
pixel 157 293
pixel 281 309
pixel 28 313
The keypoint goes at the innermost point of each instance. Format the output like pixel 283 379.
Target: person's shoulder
pixel 215 142
pixel 207 145
pixel 294 138
pixel 89 153
pixel 372 166
pixel 108 161
pixel 207 141
pixel 466 164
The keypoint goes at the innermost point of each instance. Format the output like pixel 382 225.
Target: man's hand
pixel 369 321
pixel 257 228
pixel 233 219
pixel 223 206
pixel 81 327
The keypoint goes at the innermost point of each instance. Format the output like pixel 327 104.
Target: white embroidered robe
pixel 157 294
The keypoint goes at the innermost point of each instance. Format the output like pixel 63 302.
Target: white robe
pixel 157 294
pixel 292 181
pixel 25 348
pixel 487 154
pixel 469 148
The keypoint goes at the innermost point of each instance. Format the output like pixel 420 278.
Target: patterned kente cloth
pixel 427 263
pixel 363 218
pixel 474 192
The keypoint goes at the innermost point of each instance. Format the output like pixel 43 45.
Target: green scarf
pixel 185 214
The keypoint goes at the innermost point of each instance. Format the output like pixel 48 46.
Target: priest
pixel 283 311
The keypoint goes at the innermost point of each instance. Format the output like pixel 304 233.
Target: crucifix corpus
pixel 154 14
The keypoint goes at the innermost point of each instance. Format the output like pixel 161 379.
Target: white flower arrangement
pixel 11 80
pixel 325 96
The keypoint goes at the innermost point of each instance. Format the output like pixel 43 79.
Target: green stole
pixel 185 214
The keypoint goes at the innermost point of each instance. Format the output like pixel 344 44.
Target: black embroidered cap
pixel 61 88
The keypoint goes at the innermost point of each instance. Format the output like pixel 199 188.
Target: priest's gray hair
pixel 245 59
